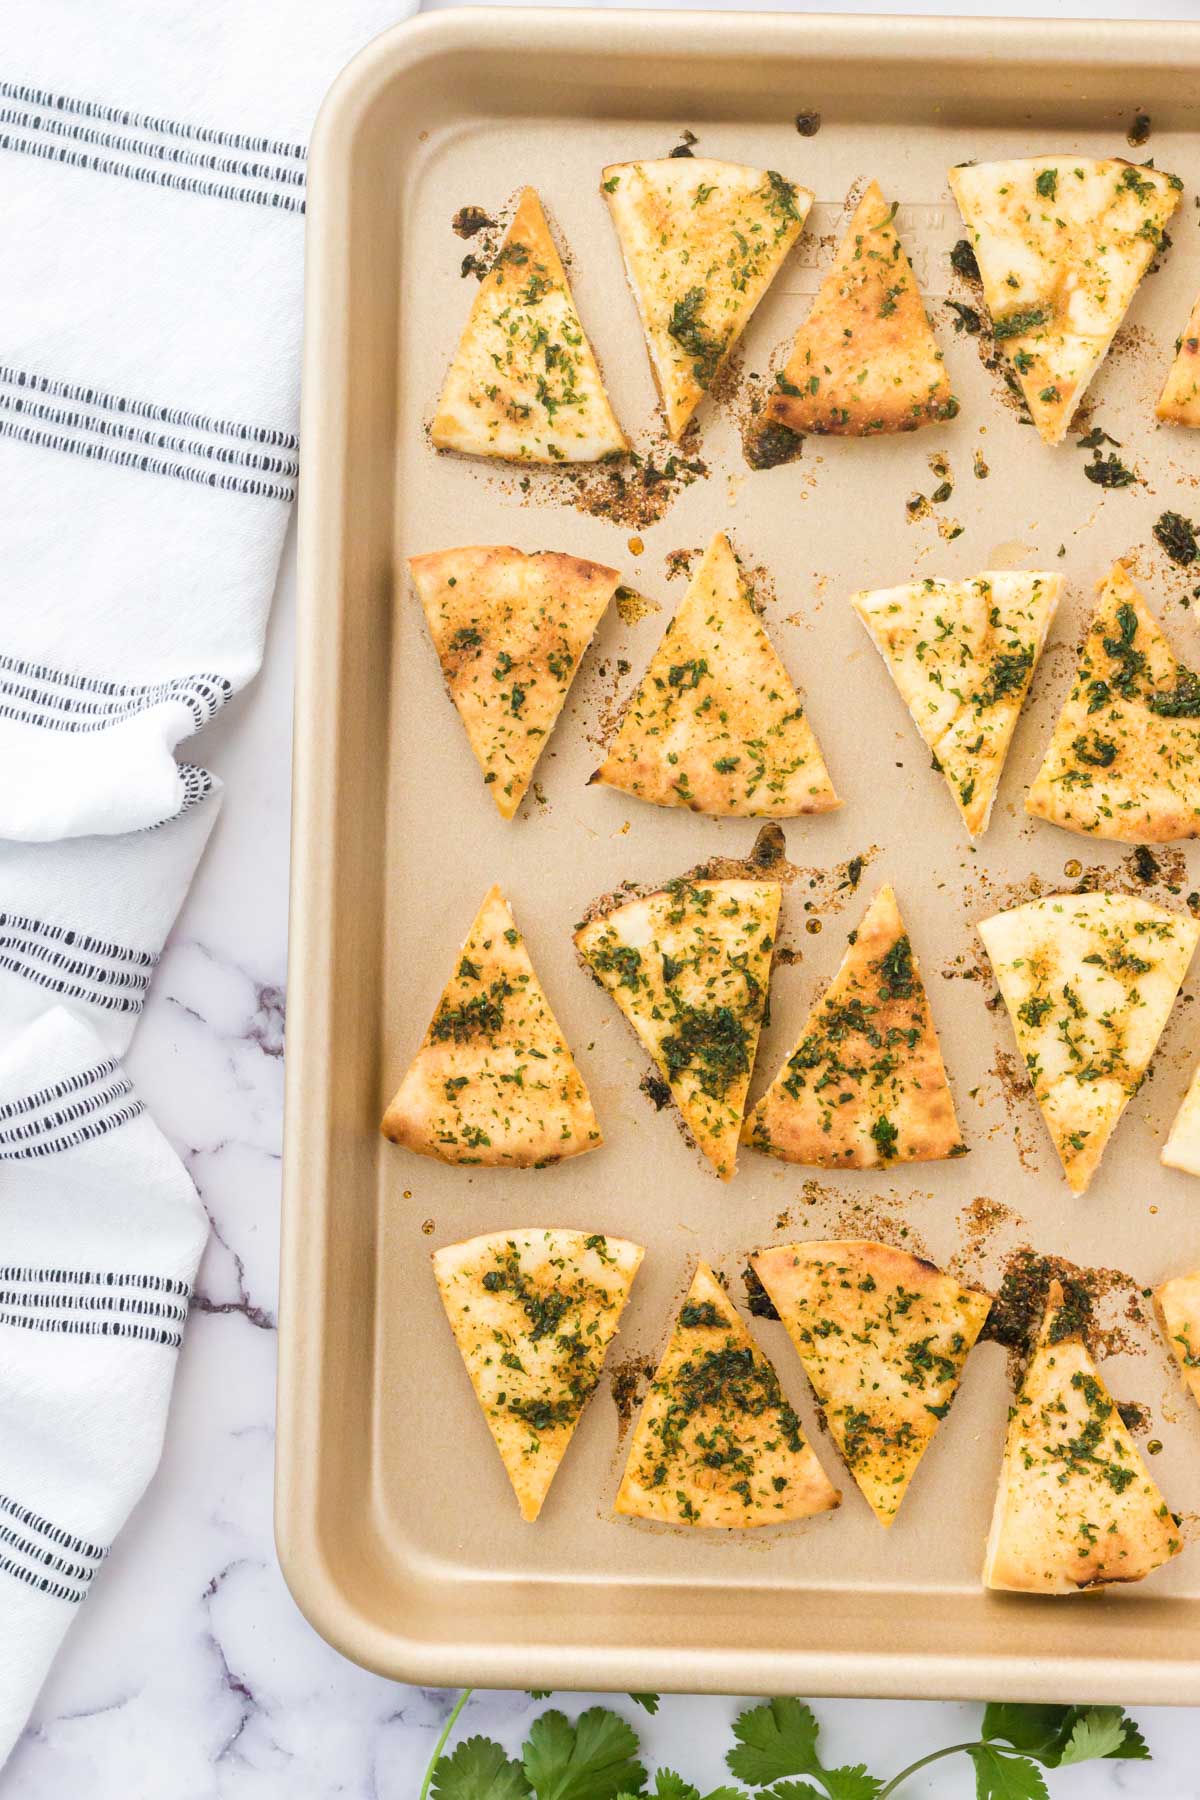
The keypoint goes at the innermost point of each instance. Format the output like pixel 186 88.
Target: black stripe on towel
pixel 61 129
pixel 57 1090
pixel 146 464
pixel 55 1534
pixel 43 1583
pixel 100 400
pixel 65 700
pixel 137 121
pixel 274 198
pixel 108 1328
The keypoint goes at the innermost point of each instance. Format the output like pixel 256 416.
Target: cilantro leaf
pixel 775 1739
pixel 1065 1734
pixel 1039 1731
pixel 478 1770
pixel 649 1701
pixel 779 1739
pixel 594 1759
pixel 1003 1777
pixel 1103 1731
pixel 850 1783
pixel 670 1786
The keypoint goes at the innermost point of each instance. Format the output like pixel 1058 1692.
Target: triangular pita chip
pixel 1180 398
pixel 1076 1507
pixel 1089 981
pixel 883 1337
pixel 493 1082
pixel 962 654
pixel 1178 1302
pixel 865 360
pixel 689 968
pixel 1182 1148
pixel 702 242
pixel 716 1442
pixel 1124 758
pixel 534 1313
pixel 865 1085
pixel 510 629
pixel 1062 243
pixel 716 724
pixel 524 384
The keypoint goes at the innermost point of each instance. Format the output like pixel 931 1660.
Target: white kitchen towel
pixel 100 1234
pixel 83 921
pixel 153 162
pixel 152 167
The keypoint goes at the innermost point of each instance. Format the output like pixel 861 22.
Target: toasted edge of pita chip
pixel 716 725
pixel 716 1443
pixel 1179 401
pixel 1178 1305
pixel 533 1312
pixel 524 384
pixel 962 655
pixel 1075 1506
pixel 1123 761
pixel 884 1337
pixel 510 629
pixel 1062 243
pixel 865 360
pixel 1182 1148
pixel 1089 981
pixel 689 967
pixel 494 1082
pixel 702 241
pixel 865 1086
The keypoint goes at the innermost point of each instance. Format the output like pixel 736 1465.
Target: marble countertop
pixel 190 1674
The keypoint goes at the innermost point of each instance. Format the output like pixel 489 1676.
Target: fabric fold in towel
pixel 101 1233
pixel 83 922
pixel 154 170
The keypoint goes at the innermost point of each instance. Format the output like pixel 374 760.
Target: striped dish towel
pixel 102 1233
pixel 153 169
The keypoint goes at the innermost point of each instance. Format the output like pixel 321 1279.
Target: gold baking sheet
pixel 396 1527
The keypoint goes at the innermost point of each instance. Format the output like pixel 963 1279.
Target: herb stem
pixel 447 1728
pixel 934 1756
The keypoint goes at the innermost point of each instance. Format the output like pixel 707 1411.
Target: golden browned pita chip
pixel 702 242
pixel 716 1442
pixel 883 1337
pixel 689 968
pixel 865 360
pixel 493 1082
pixel 510 629
pixel 716 724
pixel 1178 1302
pixel 524 384
pixel 866 1085
pixel 1182 1148
pixel 1062 243
pixel 534 1312
pixel 1076 1507
pixel 1180 399
pixel 1124 758
pixel 1089 981
pixel 962 654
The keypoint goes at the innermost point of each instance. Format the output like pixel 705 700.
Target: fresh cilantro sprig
pixel 779 1739
pixel 1016 1739
pixel 775 1754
